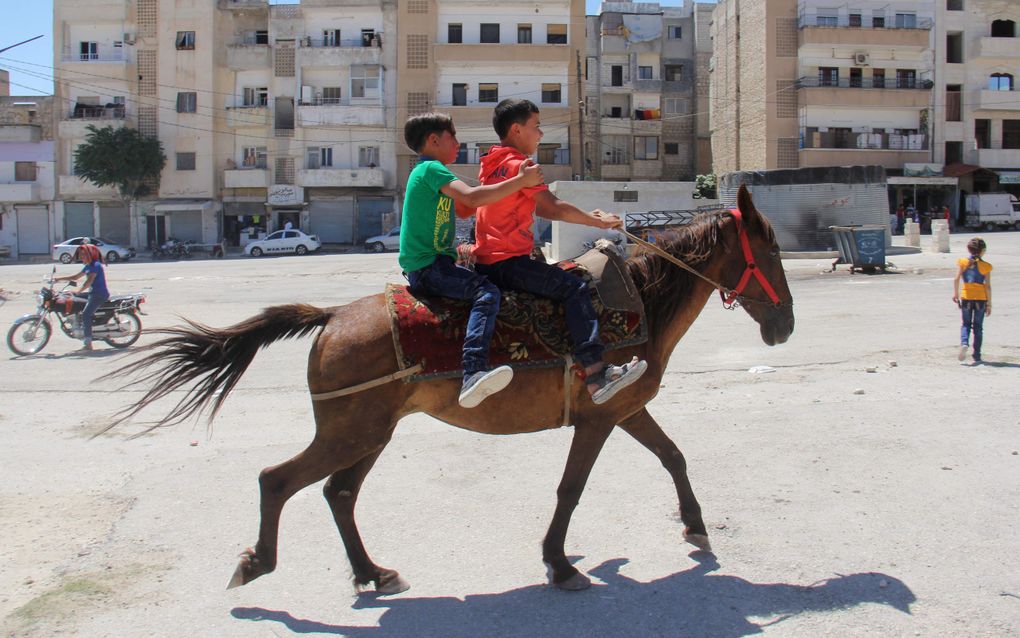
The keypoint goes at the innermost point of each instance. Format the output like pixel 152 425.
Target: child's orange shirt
pixel 503 229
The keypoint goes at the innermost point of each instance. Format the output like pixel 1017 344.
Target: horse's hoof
pixel 238 578
pixel 699 540
pixel 248 569
pixel 391 583
pixel 577 582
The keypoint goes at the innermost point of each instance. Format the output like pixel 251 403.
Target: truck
pixel 993 210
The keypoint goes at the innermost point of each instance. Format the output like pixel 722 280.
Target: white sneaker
pixel 963 353
pixel 484 383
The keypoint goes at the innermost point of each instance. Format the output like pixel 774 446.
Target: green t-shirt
pixel 427 226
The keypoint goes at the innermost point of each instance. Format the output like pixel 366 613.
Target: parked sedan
pixel 382 243
pixel 284 242
pixel 113 252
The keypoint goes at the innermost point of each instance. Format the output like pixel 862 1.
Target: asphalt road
pixel 840 501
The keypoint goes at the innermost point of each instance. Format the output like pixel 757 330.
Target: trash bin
pixel 863 247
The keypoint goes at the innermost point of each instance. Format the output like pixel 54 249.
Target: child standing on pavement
pixel 976 299
pixel 427 254
pixel 505 241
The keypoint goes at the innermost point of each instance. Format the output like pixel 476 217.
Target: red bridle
pixel 731 297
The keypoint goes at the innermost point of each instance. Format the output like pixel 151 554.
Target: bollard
pixel 939 236
pixel 912 233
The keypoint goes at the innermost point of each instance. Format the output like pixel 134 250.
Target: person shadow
pixel 694 602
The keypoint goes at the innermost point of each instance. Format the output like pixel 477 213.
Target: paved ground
pixel 887 512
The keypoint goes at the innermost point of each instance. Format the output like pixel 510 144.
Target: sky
pixel 35 17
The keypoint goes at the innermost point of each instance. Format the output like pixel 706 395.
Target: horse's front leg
pixel 643 427
pixel 584 449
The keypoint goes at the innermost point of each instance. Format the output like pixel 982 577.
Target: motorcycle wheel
pixel 29 336
pixel 130 327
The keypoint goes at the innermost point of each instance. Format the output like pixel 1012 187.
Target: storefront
pixel 286 203
pixel 242 219
pixel 185 220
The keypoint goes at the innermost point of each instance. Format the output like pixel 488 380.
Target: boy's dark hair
pixel 975 246
pixel 418 128
pixel 509 112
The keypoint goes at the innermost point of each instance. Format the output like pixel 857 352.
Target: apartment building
pixel 977 111
pixel 462 57
pixel 806 83
pixel 26 174
pixel 646 92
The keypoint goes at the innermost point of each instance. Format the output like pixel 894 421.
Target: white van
pixel 993 210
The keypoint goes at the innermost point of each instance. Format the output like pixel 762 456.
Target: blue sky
pixel 35 17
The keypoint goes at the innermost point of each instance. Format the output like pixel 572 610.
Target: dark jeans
pixel 545 280
pixel 446 279
pixel 973 321
pixel 90 310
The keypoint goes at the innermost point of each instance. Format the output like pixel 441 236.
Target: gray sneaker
pixel 483 383
pixel 963 352
pixel 611 379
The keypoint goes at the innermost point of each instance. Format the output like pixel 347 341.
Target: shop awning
pixel 922 181
pixel 1008 177
pixel 170 205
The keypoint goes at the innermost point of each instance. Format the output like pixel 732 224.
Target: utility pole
pixel 20 43
pixel 580 113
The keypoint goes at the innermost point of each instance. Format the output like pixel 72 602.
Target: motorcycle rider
pixel 95 283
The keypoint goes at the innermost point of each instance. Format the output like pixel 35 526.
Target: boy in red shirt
pixel 504 242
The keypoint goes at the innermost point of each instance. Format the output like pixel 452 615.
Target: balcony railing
pixel 106 56
pixel 842 139
pixel 844 22
pixel 320 42
pixel 559 157
pixel 97 113
pixel 865 83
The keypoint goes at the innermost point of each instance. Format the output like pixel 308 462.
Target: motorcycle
pixel 173 249
pixel 116 321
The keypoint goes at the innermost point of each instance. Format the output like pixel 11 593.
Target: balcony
pixel 239 5
pixel 73 186
pixel 998 100
pixel 20 133
pixel 844 139
pixel 864 92
pixel 326 114
pixel 648 86
pixel 247 116
pixel 116 56
pixel 242 57
pixel 314 52
pixel 998 157
pixel 22 192
pixel 997 49
pixel 246 178
pixel 362 177
pixel 513 54
pixel 75 123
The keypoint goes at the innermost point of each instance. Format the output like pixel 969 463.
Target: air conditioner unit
pixel 129 38
pixel 861 59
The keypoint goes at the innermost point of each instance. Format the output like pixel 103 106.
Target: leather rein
pixel 731 297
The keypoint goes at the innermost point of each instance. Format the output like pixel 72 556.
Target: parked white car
pixel 382 243
pixel 283 242
pixel 65 251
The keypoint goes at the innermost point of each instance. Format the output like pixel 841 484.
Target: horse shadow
pixel 693 602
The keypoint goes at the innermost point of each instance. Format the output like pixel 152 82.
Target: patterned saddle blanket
pixel 530 331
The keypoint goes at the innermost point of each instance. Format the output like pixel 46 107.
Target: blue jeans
pixel 973 321
pixel 545 280
pixel 90 310
pixel 443 278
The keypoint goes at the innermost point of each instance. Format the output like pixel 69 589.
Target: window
pixel 983 133
pixel 1000 82
pixel 551 94
pixel 331 95
pixel 826 21
pixel 954 153
pixel 325 157
pixel 646 148
pixel 462 154
pixel 254 157
pixel 953 102
pixel 257 37
pixel 828 76
pixel 878 78
pixel 615 149
pixel 187 102
pixel 671 148
pixel 523 34
pixel 185 161
pixel 547 153
pixel 675 106
pixel 1003 29
pixel 556 34
pixel 185 40
pixel 625 196
pixel 455 33
pixel 368 38
pixel 368 156
pixel 878 22
pixel 312 157
pixel 331 37
pixel 256 96
pixel 855 20
pixel 954 5
pixel 856 78
pixel 617 75
pixel 906 79
pixel 673 32
pixel 24 171
pixel 365 81
pixel 1011 134
pixel 954 48
pixel 489 34
pixel 88 51
pixel 488 92
pixel 644 72
pixel 906 20
pixel 460 94
pixel 673 72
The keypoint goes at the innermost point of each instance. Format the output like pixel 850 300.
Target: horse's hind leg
pixel 277 484
pixel 341 492
pixel 584 449
pixel 643 427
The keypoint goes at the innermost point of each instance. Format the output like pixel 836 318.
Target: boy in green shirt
pixel 427 255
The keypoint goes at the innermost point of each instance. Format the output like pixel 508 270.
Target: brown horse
pixel 355 347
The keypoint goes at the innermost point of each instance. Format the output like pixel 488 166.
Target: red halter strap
pixel 751 268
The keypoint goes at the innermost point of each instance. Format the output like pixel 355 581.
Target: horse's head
pixel 750 246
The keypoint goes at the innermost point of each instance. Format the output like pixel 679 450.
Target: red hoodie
pixel 503 229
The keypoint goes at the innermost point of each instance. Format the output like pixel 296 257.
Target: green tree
pixel 705 187
pixel 122 158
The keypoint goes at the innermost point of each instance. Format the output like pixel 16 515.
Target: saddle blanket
pixel 530 331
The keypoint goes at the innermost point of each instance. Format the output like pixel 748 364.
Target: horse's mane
pixel 663 286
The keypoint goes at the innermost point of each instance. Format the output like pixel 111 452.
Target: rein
pixel 731 297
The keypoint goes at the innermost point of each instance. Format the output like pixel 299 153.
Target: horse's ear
pixel 749 213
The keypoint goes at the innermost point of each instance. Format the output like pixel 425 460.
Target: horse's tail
pixel 207 362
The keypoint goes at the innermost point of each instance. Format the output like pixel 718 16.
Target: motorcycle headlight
pixel 39 299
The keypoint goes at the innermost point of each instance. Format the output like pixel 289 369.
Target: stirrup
pixel 611 379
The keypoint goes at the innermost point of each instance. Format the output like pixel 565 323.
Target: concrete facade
pixel 27 175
